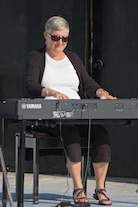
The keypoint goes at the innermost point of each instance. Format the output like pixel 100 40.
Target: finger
pixel 60 97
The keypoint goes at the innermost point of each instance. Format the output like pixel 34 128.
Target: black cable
pixel 60 136
pixel 89 138
pixel 60 129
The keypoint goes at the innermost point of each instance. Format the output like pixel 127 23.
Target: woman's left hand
pixel 103 94
pixel 107 96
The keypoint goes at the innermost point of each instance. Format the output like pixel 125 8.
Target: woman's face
pixel 56 47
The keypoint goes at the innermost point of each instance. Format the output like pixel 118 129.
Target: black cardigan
pixel 35 68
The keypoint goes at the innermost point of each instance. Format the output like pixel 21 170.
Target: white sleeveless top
pixel 60 76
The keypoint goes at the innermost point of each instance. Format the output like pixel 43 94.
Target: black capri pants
pixel 71 135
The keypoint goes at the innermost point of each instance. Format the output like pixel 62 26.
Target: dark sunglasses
pixel 57 38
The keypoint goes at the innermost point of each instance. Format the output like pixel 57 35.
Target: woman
pixel 54 73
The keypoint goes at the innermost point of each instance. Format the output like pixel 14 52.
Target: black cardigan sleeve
pixel 33 73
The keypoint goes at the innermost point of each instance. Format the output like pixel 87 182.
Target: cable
pixel 88 147
pixel 60 136
pixel 60 129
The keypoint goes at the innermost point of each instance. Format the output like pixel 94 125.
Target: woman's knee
pixel 70 135
pixel 74 152
pixel 102 153
pixel 100 136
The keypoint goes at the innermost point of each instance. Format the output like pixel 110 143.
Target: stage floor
pixel 56 188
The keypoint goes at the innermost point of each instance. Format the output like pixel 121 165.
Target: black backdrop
pixel 115 43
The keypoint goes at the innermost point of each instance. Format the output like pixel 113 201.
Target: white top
pixel 60 76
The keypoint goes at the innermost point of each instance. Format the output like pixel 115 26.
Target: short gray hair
pixel 56 23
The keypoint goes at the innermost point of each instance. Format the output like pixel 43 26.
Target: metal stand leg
pixel 21 164
pixel 5 178
pixel 16 163
pixel 83 168
pixel 4 147
pixel 35 171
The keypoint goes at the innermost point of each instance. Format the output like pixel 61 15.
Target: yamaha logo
pixel 31 106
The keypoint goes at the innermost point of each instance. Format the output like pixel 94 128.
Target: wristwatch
pixel 103 91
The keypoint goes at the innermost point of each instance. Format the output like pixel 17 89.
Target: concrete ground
pixel 56 188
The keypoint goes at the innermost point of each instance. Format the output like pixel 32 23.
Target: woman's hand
pixel 49 92
pixel 107 96
pixel 102 94
pixel 57 94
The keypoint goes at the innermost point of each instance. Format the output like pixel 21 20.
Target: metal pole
pixel 5 178
pixel 21 164
pixel 86 34
pixel 91 31
pixel 4 149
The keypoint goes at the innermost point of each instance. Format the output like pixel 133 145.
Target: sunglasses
pixel 57 38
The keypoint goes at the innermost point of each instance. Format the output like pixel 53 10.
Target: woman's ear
pixel 45 35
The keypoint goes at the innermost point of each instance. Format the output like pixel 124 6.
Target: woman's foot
pixel 79 197
pixel 101 196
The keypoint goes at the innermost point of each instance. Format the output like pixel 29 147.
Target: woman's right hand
pixel 57 94
pixel 54 93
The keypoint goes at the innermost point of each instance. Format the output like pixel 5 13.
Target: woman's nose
pixel 60 41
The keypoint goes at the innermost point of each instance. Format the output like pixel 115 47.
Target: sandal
pixel 95 195
pixel 79 199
